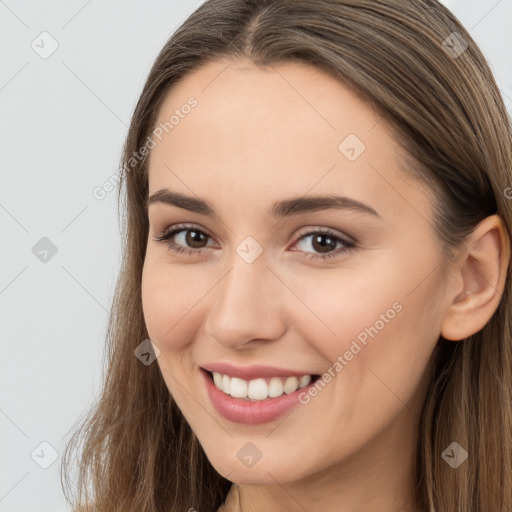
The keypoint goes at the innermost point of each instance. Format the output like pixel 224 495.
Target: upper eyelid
pixel 314 229
pixel 178 228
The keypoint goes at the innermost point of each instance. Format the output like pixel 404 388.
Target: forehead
pixel 260 134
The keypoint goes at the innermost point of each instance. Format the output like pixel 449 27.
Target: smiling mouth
pixel 256 390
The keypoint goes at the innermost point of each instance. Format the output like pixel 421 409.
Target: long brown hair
pixel 445 109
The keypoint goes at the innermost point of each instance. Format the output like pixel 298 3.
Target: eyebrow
pixel 279 209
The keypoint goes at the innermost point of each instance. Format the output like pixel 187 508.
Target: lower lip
pixel 250 413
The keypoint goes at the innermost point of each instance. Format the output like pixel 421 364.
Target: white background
pixel 62 125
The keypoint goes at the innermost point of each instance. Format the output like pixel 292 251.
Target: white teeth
pixel 275 387
pixel 217 378
pixel 238 388
pixel 304 381
pixel 259 389
pixel 225 384
pixel 291 385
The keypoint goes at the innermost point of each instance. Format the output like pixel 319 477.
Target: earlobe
pixel 483 270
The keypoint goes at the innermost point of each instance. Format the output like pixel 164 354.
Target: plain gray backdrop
pixel 64 116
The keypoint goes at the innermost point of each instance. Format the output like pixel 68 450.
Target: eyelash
pixel 165 235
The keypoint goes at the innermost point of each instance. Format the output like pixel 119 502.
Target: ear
pixel 482 271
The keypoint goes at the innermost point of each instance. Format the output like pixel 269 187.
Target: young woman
pixel 313 312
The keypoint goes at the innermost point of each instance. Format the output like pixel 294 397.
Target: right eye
pixel 185 235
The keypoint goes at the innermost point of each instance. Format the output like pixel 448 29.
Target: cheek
pixel 375 317
pixel 167 303
pixel 174 299
pixel 342 305
pixel 376 337
pixel 166 300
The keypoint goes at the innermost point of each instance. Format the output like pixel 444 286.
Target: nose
pixel 247 305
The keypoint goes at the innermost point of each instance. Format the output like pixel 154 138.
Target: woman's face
pixel 275 291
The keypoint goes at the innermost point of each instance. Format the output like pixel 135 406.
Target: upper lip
pixel 252 372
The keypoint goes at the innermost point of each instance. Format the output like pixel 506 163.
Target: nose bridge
pixel 245 304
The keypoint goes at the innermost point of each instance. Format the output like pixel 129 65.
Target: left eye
pixel 190 240
pixel 325 243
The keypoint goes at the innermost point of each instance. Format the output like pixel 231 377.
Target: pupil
pixel 193 238
pixel 323 247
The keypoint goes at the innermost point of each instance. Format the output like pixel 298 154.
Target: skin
pixel 259 135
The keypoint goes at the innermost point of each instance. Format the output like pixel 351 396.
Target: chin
pixel 262 472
